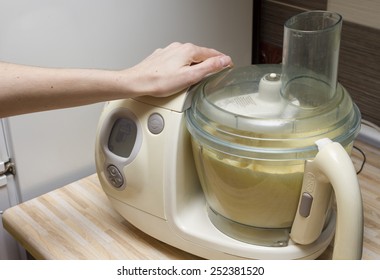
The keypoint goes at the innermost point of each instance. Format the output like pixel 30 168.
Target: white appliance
pixel 51 149
pixel 151 180
pixel 247 163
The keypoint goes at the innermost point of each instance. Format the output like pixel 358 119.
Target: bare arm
pixel 26 89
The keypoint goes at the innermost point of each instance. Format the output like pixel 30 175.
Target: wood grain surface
pixel 78 222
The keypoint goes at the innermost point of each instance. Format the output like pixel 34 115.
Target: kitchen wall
pixel 359 63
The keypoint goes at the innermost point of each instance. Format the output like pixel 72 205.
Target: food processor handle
pixel 332 165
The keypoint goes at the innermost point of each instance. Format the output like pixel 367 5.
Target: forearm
pixel 25 89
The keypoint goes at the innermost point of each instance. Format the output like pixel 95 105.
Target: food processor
pixel 252 162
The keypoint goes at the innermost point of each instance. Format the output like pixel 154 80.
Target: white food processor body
pixel 246 164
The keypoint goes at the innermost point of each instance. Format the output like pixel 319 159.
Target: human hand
pixel 169 70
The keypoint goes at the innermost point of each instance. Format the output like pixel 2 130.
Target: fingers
pixel 200 54
pixel 203 61
pixel 194 53
pixel 211 65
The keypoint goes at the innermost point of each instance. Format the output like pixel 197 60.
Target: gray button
pixel 305 206
pixel 114 176
pixel 156 123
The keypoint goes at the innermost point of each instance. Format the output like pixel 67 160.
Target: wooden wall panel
pixel 307 5
pixel 359 67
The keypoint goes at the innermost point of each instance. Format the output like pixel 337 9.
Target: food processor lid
pixel 280 109
pixel 245 106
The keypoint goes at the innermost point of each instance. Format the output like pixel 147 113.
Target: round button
pixel 273 77
pixel 156 123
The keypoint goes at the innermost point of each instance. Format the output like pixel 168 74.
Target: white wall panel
pixel 54 148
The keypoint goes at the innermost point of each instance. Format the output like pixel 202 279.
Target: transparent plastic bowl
pixel 251 164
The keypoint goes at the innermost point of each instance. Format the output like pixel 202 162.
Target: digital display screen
pixel 122 137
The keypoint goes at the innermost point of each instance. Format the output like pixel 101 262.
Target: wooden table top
pixel 78 222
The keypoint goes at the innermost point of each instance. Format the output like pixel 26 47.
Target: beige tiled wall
pixel 359 67
pixel 364 12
